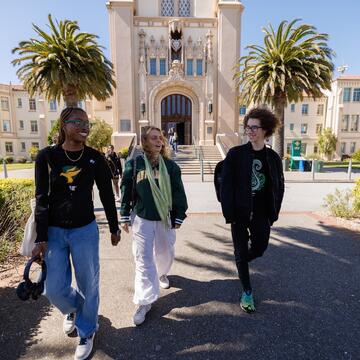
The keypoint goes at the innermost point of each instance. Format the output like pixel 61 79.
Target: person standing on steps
pixel 116 169
pixel 65 224
pixel 252 190
pixel 153 190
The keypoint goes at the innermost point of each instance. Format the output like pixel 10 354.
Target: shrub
pixel 356 193
pixel 33 151
pixel 124 152
pixel 313 156
pixel 356 155
pixel 15 195
pixel 21 160
pixel 339 203
pixel 9 159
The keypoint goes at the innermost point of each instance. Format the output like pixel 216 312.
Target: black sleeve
pixel 103 183
pixel 179 200
pixel 42 196
pixel 119 165
pixel 228 188
pixel 126 191
pixel 281 183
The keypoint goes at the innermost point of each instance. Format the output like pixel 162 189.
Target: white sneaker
pixel 140 313
pixel 164 282
pixel 69 323
pixel 84 349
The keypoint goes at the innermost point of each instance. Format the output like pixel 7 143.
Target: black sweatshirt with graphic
pixel 69 202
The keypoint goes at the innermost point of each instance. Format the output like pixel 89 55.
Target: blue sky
pixel 338 19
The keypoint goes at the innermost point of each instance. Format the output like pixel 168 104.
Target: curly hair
pixel 269 122
pixel 65 115
pixel 165 151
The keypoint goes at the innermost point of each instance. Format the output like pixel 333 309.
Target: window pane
pixel 6 125
pixel 345 123
pixel 184 7
pixel 33 126
pixel 303 148
pixel 356 94
pixel 304 109
pixel 9 147
pixel 32 104
pixel 19 103
pixel 318 128
pixel 153 66
pixel 167 8
pixel 347 94
pixel 162 66
pixel 304 128
pixel 242 110
pixel 320 109
pixel 125 125
pixel 292 107
pixel 343 148
pixel 21 124
pixel 4 104
pixel 199 65
pixel 291 127
pixel 189 67
pixel 354 123
pixel 53 105
pixel 22 146
pixel 352 147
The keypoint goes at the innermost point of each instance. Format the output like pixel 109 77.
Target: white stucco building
pixel 173 63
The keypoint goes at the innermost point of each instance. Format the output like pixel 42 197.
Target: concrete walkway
pixel 306 287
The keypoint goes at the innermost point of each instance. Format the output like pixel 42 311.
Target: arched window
pixel 184 8
pixel 167 8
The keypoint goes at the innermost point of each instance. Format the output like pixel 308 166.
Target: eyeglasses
pixel 84 124
pixel 252 128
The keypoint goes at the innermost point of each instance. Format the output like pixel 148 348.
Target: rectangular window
pixel 291 127
pixel 305 109
pixel 354 123
pixel 345 123
pixel 343 148
pixel 125 125
pixel 318 128
pixel 303 148
pixel 152 66
pixel 189 67
pixel 33 126
pixel 347 94
pixel 35 144
pixel 4 104
pixel 22 147
pixel 19 103
pixel 242 110
pixel 9 148
pixel 21 124
pixel 209 130
pixel 162 66
pixel 199 67
pixel 292 107
pixel 304 129
pixel 108 107
pixel 316 148
pixel 6 126
pixel 32 104
pixel 356 95
pixel 53 105
pixel 352 147
pixel 320 109
pixel 288 148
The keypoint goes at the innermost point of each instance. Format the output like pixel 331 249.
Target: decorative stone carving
pixel 209 47
pixel 163 50
pixel 189 48
pixel 176 44
pixel 199 49
pixel 176 72
pixel 175 25
pixel 142 36
pixel 152 48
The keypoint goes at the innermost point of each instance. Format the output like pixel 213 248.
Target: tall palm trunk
pixel 279 106
pixel 70 96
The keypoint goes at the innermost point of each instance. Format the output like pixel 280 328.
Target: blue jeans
pixel 83 246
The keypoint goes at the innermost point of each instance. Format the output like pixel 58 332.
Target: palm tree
pixel 294 61
pixel 65 63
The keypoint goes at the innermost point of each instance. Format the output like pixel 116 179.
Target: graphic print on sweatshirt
pixel 141 175
pixel 70 173
pixel 257 177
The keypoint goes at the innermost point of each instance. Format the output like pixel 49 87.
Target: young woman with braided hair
pixel 158 202
pixel 65 223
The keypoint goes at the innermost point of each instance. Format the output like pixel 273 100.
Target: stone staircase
pixel 187 158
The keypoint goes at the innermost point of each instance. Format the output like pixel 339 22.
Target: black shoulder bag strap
pixel 133 193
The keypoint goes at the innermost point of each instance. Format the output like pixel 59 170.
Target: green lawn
pixel 16 166
pixel 340 165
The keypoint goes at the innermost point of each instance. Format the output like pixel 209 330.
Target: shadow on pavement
pixel 19 322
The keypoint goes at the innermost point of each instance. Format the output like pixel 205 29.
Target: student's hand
pixel 115 238
pixel 40 250
pixel 125 227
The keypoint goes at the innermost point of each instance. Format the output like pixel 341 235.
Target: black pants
pixel 258 232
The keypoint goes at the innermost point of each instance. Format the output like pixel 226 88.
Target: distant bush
pixel 313 157
pixel 124 152
pixel 356 192
pixel 356 155
pixel 9 159
pixel 15 195
pixel 21 159
pixel 33 151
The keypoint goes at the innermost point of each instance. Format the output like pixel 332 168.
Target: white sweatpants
pixel 153 250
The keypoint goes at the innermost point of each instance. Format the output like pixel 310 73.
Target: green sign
pixel 296 148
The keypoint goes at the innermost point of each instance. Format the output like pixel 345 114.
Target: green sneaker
pixel 247 302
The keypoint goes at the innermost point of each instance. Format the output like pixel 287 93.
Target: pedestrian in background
pixel 116 169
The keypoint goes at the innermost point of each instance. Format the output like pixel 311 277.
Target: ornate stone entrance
pixel 176 113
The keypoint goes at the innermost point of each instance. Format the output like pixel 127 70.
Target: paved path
pixel 306 286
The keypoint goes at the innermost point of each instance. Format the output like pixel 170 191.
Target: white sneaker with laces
pixel 69 323
pixel 164 282
pixel 84 349
pixel 140 313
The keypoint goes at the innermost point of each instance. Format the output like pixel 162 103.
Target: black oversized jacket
pixel 236 194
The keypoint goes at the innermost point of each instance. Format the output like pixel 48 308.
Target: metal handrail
pixel 223 147
pixel 132 147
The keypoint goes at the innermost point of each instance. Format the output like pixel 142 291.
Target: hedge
pixel 15 195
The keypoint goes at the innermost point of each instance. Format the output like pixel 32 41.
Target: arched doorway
pixel 176 113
